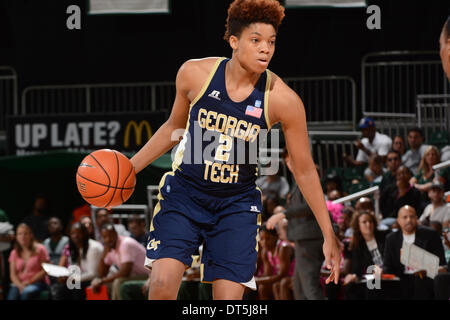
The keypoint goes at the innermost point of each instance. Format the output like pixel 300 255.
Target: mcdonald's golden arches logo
pixel 137 132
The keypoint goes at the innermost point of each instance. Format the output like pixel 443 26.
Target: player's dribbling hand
pixel 332 255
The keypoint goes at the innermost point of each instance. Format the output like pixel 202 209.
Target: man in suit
pixel 414 283
pixel 304 230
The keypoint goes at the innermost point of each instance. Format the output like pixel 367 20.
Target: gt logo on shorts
pixel 153 244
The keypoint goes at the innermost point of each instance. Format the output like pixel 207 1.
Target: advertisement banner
pixel 124 132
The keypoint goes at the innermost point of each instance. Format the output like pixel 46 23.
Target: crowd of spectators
pixel 408 208
pixel 96 251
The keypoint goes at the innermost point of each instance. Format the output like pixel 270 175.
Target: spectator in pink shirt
pixel 334 209
pixel 27 275
pixel 126 254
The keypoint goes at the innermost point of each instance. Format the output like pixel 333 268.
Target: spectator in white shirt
pixel 413 156
pixel 437 210
pixel 373 142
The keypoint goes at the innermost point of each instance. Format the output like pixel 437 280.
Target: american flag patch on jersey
pixel 253 111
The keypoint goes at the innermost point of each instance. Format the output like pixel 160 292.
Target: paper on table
pixel 56 271
pixel 419 259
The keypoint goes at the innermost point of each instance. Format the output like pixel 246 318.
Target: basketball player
pixel 215 199
pixel 444 44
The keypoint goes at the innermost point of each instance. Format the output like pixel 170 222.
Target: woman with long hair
pixel 25 266
pixel 365 249
pixel 423 180
pixel 83 252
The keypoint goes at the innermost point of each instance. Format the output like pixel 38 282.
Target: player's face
pixel 444 44
pixel 255 47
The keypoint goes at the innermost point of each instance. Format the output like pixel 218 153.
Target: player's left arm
pixel 287 108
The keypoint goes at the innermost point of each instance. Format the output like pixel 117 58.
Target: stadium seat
pixel 439 139
pixel 356 187
pixel 354 173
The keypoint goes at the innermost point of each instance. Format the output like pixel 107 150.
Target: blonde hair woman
pixel 424 178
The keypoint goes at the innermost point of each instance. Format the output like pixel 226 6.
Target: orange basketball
pixel 106 178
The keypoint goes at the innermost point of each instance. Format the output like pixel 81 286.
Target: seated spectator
pixel 373 142
pixel 362 204
pixel 399 145
pixel 126 254
pixel 413 283
pixel 438 210
pixel 393 162
pixel 284 289
pixel 345 230
pixel 374 172
pixel 335 209
pixel 57 241
pixel 396 196
pixel 277 262
pixel 136 227
pixel 6 238
pixel 87 222
pixel 83 252
pixel 332 182
pixel 27 275
pixel 103 216
pixel 365 249
pixel 38 219
pixel 414 155
pixel 273 183
pixel 424 178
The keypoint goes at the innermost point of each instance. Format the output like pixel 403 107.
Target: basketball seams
pixel 117 181
pixel 123 186
pixel 101 184
pixel 109 179
pixel 95 189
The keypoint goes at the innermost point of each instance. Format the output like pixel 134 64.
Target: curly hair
pixel 242 13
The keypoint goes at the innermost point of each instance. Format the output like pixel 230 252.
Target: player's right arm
pixel 162 141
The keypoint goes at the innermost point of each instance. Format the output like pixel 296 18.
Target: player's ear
pixel 234 42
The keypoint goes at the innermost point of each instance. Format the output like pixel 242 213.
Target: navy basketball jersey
pixel 219 150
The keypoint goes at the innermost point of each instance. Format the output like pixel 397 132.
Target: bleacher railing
pixel 87 98
pixel 433 113
pixel 328 147
pixel 392 80
pixel 329 100
pixel 8 94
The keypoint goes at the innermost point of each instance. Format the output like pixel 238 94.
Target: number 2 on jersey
pixel 222 153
